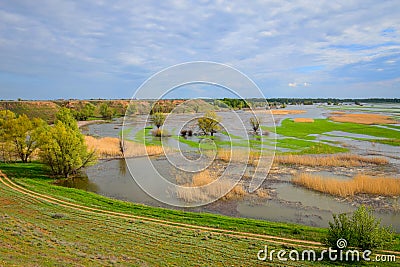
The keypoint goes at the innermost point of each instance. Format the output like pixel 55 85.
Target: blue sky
pixel 106 49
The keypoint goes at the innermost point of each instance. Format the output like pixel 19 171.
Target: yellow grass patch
pixel 106 147
pixel 203 178
pixel 238 155
pixel 359 184
pixel 344 160
pixel 109 147
pixel 214 190
pixel 262 193
pixel 364 118
pixel 286 111
pixel 303 120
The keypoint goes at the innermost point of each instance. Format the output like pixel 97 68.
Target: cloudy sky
pixel 106 49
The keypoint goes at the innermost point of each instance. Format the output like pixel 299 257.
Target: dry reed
pixel 109 147
pixel 357 185
pixel 238 155
pixel 364 118
pixel 203 178
pixel 339 160
pixel 211 190
pixel 262 193
pixel 286 111
pixel 106 147
pixel 303 120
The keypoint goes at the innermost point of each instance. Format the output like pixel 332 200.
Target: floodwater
pixel 292 203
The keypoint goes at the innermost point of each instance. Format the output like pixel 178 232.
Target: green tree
pixel 21 133
pixel 7 150
pixel 106 111
pixel 158 119
pixel 62 147
pixel 131 109
pixel 255 124
pixel 65 116
pixel 84 113
pixel 361 230
pixel 209 123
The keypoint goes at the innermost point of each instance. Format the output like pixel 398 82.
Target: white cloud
pixel 268 40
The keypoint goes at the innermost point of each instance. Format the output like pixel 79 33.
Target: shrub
pixel 361 230
pixel 158 119
pixel 255 124
pixel 183 132
pixel 209 124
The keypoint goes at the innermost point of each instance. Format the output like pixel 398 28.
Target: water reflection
pixel 293 204
pixel 81 182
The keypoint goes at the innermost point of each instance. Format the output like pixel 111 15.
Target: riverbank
pixel 64 232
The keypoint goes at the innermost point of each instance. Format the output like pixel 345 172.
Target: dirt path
pixel 237 234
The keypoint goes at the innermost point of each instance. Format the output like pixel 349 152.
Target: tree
pixel 7 150
pixel 209 123
pixel 62 147
pixel 131 109
pixel 158 119
pixel 255 124
pixel 21 133
pixel 361 230
pixel 84 113
pixel 106 111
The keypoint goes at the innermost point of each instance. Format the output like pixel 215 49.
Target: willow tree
pixel 255 124
pixel 209 123
pixel 63 146
pixel 158 119
pixel 20 134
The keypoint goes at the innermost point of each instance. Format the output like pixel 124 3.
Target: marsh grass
pixel 262 193
pixel 364 118
pixel 106 147
pixel 359 184
pixel 339 160
pixel 286 111
pixel 303 120
pixel 238 155
pixel 109 147
pixel 205 178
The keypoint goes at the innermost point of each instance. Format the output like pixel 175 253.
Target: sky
pixel 51 49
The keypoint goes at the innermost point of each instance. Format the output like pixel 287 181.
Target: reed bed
pixel 364 118
pixel 238 155
pixel 208 193
pixel 277 111
pixel 286 111
pixel 106 147
pixel 359 184
pixel 339 160
pixel 262 193
pixel 338 112
pixel 309 120
pixel 110 147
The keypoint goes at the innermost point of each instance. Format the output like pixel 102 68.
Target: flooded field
pixel 287 202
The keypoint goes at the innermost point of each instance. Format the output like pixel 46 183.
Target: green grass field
pixel 36 233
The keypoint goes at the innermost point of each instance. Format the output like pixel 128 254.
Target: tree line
pixel 60 146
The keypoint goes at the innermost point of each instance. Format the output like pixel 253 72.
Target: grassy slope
pixel 45 110
pixel 32 234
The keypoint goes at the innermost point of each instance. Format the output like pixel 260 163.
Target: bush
pixel 361 230
pixel 209 124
